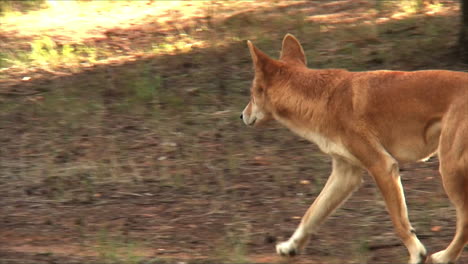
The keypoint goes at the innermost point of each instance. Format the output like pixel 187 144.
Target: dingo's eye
pixel 260 89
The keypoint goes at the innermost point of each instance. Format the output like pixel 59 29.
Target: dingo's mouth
pixel 252 122
pixel 248 120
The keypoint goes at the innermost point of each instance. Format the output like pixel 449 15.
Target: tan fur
pixel 368 120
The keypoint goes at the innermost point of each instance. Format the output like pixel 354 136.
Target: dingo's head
pixel 268 75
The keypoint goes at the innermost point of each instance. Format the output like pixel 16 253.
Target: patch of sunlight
pixel 45 52
pixel 82 19
pixel 182 43
pixel 406 8
pixel 76 21
pixel 434 8
pixel 410 6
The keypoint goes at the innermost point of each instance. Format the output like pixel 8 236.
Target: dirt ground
pixel 143 159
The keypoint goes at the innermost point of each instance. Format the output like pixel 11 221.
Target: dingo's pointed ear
pixel 292 50
pixel 260 59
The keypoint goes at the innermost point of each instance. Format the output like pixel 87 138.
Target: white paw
pixel 440 258
pixel 419 259
pixel 418 256
pixel 287 248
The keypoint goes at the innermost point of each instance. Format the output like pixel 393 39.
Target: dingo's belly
pixel 419 146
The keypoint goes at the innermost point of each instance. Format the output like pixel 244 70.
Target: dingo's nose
pixel 241 117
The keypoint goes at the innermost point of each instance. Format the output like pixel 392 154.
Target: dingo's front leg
pixel 344 179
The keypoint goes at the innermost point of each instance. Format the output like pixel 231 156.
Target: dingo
pixel 368 120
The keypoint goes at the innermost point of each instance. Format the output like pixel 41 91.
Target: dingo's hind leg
pixel 453 154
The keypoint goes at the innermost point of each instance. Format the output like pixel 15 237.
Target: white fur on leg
pixel 345 178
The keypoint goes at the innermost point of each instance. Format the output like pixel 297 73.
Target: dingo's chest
pixel 326 145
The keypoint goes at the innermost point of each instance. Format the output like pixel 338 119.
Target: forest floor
pixel 121 140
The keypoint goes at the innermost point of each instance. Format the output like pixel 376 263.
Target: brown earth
pixel 142 159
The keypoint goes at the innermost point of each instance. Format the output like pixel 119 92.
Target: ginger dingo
pixel 368 120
